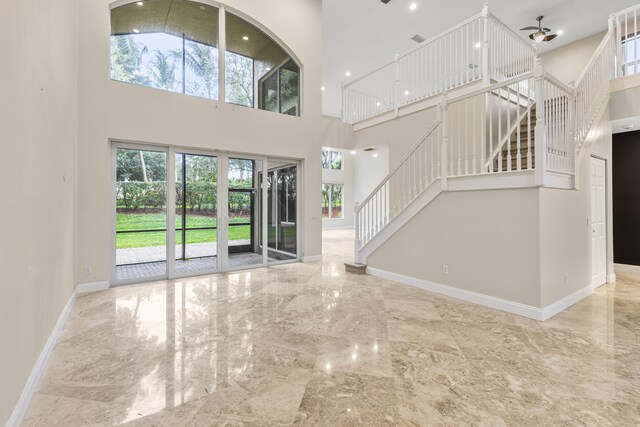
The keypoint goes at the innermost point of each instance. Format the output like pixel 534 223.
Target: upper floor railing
pixel 480 48
pixel 521 124
pixel 625 29
pixel 520 119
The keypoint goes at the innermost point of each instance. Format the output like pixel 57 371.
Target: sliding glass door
pixel 220 213
pixel 282 204
pixel 140 214
pixel 196 213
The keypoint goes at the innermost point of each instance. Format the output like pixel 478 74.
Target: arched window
pixel 174 45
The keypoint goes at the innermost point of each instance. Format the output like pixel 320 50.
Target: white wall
pixel 114 110
pixel 38 83
pixel 567 62
pixel 565 223
pixel 488 239
pixel 346 178
pixel 370 171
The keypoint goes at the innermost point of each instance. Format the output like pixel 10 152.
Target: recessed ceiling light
pixel 478 45
pixel 268 68
pixel 560 32
pixel 353 152
pixel 377 104
pixel 322 88
pixel 375 155
pixel 406 92
pixel 348 74
pixel 135 30
pixel 245 38
pixel 139 3
pixel 413 6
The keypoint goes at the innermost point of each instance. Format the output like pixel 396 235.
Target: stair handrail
pixel 586 109
pixel 594 58
pixel 398 165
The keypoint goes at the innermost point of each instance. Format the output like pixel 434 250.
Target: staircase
pixel 521 148
pixel 503 123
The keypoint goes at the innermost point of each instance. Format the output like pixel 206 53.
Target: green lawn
pixel 144 221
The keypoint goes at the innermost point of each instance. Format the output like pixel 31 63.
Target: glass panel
pixel 196 213
pixel 141 218
pixel 336 201
pixel 244 212
pixel 332 160
pixel 239 79
pixel 289 88
pixel 254 62
pixel 282 220
pixel 336 160
pixel 166 45
pixel 270 93
pixel 326 189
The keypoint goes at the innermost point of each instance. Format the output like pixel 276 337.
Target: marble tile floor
pixel 306 344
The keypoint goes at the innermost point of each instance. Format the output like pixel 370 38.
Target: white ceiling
pixel 360 35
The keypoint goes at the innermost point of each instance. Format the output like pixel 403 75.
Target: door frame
pixel 605 219
pixel 222 220
pixel 113 272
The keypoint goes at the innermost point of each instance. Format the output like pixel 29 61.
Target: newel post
pixel 541 125
pixel 614 26
pixel 358 241
pixel 486 76
pixel 396 85
pixel 444 148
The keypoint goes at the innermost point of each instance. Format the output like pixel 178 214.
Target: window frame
pixel 223 9
pixel 331 184
pixel 341 169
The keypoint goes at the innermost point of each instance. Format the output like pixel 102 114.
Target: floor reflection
pixel 307 344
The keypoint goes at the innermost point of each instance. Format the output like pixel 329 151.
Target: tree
pixel 162 71
pixel 126 58
pixel 202 60
pixel 239 76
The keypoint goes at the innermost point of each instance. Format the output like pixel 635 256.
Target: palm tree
pixel 126 57
pixel 202 60
pixel 162 72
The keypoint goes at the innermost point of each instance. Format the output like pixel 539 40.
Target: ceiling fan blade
pixel 529 28
pixel 550 37
pixel 546 29
pixel 532 37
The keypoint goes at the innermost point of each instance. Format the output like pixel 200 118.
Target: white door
pixel 598 222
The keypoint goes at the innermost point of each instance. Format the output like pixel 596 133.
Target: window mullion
pixel 222 50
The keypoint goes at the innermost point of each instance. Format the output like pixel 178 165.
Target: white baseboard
pixel 36 373
pixel 611 277
pixel 566 302
pixel 83 288
pixel 312 258
pixel 469 296
pixel 512 307
pixel 38 369
pixel 626 268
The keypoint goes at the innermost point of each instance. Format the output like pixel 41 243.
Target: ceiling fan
pixel 541 32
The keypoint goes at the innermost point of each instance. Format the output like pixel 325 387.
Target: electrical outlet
pixel 445 269
pixel 87 270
